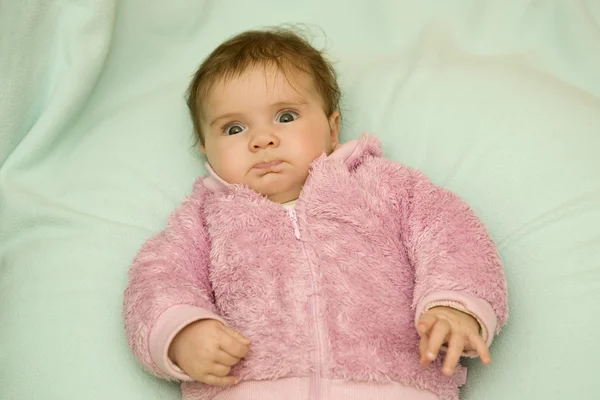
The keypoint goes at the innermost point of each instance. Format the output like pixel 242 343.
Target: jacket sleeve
pixel 169 287
pixel 455 261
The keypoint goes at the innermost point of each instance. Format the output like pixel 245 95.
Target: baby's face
pixel 264 132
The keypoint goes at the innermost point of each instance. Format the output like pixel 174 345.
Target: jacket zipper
pixel 315 314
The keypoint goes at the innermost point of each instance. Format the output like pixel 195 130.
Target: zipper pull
pixel 294 217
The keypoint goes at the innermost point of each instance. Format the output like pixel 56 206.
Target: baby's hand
pixel 206 350
pixel 459 330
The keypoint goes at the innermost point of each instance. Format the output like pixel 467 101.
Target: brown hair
pixel 281 47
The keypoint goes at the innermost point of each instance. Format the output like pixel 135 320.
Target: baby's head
pixel 265 105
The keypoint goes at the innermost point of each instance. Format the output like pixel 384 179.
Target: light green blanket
pixel 496 100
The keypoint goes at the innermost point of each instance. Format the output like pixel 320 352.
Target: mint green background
pixel 499 101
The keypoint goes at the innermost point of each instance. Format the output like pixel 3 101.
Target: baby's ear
pixel 334 128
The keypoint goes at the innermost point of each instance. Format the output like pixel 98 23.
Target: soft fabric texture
pixel 496 100
pixel 327 290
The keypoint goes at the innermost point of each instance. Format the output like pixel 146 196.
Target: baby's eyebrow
pixel 291 103
pixel 225 116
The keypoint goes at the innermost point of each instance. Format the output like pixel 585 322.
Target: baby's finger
pixel 233 347
pixel 438 336
pixel 425 324
pixel 241 338
pixel 476 342
pixel 220 380
pixel 456 344
pixel 226 359
pixel 423 349
pixel 220 370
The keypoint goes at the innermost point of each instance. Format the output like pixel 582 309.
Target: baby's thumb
pixel 240 338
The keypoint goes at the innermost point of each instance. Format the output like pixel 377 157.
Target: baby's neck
pixel 285 197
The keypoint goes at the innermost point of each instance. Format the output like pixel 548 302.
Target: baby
pixel 302 268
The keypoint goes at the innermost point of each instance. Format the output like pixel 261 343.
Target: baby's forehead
pixel 261 83
pixel 269 79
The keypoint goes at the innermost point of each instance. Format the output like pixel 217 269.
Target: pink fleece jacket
pixel 328 292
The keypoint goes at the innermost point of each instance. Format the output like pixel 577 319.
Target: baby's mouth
pixel 267 165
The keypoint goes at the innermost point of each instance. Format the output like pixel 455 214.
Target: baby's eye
pixel 287 116
pixel 233 129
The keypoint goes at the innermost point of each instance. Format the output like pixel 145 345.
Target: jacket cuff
pixel 167 326
pixel 480 309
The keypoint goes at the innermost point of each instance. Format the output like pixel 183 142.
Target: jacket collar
pixel 351 152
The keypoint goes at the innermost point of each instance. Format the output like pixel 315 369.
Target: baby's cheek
pixel 230 172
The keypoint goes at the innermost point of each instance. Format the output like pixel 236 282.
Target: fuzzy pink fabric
pixel 329 292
